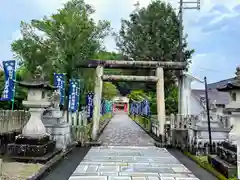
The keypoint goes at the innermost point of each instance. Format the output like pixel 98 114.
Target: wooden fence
pixel 81 128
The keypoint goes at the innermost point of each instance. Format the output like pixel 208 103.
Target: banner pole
pixel 13 98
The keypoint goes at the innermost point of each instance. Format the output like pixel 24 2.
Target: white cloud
pixel 212 13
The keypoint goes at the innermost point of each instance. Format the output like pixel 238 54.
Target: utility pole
pixel 208 115
pixel 195 4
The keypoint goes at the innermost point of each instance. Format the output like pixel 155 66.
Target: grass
pixel 144 122
pixel 203 162
pixel 16 170
pixel 106 116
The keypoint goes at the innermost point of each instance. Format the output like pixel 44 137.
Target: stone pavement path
pixel 130 163
pixel 121 130
pixel 128 153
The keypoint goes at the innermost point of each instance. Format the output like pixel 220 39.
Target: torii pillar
pixel 160 101
pixel 97 101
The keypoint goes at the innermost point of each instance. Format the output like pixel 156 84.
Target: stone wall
pixel 11 123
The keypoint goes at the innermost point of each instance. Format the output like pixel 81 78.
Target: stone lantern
pixel 34 142
pixel 234 106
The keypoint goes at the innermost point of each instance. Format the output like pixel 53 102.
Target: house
pixel 217 100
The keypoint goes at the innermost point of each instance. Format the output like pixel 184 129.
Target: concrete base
pixel 61 133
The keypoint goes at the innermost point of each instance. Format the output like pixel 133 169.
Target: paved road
pixel 130 163
pixel 121 130
pixel 128 153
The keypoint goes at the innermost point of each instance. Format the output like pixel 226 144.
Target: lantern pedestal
pixel 34 144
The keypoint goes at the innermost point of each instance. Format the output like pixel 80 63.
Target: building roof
pixel 220 83
pixel 217 97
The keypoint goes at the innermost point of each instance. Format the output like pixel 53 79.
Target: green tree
pixel 60 42
pixel 109 90
pixel 152 34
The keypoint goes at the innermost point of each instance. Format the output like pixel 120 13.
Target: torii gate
pixel 160 66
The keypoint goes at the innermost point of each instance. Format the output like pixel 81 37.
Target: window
pixel 233 96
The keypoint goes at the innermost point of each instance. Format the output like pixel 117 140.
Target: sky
pixel 213 31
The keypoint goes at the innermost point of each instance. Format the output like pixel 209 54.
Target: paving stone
pixel 137 174
pixel 129 152
pixel 99 163
pixel 119 178
pixel 167 178
pixel 153 178
pixel 80 169
pixel 180 170
pixel 121 130
pixel 108 169
pixel 189 178
pixel 91 168
pixel 173 175
pixel 139 165
pixel 88 178
pixel 139 178
pixel 109 173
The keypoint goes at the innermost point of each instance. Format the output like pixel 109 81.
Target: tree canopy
pixel 152 34
pixel 60 42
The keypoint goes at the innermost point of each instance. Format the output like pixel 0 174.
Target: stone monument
pixel 56 126
pixel 234 106
pixel 227 158
pixel 34 143
pixel 199 136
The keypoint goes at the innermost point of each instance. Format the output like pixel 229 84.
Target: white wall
pixel 195 107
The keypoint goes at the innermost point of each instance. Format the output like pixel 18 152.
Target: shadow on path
pixel 198 171
pixel 66 167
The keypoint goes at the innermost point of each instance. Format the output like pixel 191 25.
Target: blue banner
pixel 78 93
pixel 59 82
pixel 10 73
pixel 73 88
pixel 89 102
pixel 140 108
pixel 103 107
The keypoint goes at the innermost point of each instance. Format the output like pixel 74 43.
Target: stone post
pixel 180 85
pixel 97 101
pixel 234 133
pixel 1 167
pixel 238 158
pixel 160 100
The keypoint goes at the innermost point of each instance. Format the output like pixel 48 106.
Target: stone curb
pixel 97 143
pixel 103 127
pixel 51 164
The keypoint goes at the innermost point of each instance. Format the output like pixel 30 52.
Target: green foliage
pixel 171 99
pixel 203 162
pixel 152 34
pixel 109 90
pixel 106 116
pixel 61 41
